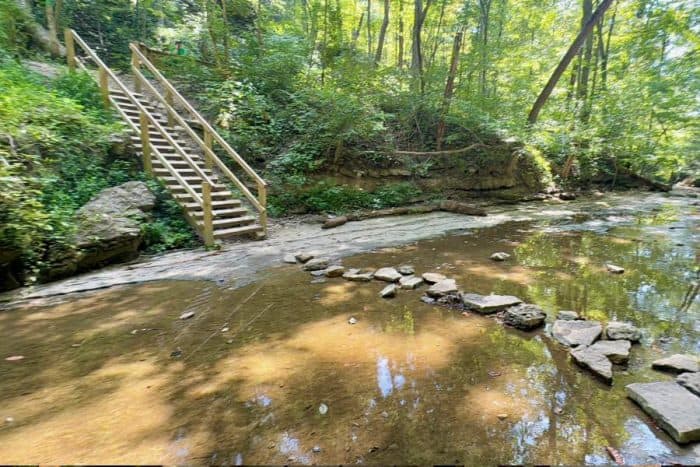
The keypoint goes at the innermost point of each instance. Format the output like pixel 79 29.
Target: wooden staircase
pixel 180 156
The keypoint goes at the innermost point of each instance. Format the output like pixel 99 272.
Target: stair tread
pixel 219 212
pixel 230 221
pixel 223 202
pixel 220 233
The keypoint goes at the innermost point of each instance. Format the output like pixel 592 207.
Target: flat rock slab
pixel 334 271
pixel 487 304
pixel 524 316
pixel 316 264
pixel 289 259
pixel 674 408
pixel 593 360
pixel 677 364
pixel 355 275
pixel 617 351
pixel 389 291
pixel 303 257
pixel 614 269
pixel 624 331
pixel 575 333
pixel 433 277
pixel 566 315
pixel 410 282
pixel 690 381
pixel 406 270
pixel 387 274
pixel 442 288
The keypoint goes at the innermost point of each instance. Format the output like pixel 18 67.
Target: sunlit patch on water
pixel 408 383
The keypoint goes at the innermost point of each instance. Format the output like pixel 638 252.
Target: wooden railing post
pixel 104 86
pixel 208 142
pixel 146 144
pixel 169 100
pixel 70 49
pixel 207 215
pixel 137 65
pixel 262 199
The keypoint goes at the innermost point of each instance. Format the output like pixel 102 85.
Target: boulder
pixel 334 271
pixel 316 264
pixel 304 257
pixel 410 282
pixel 565 315
pixel 108 227
pixel 690 381
pixel 433 277
pixel 677 364
pixel 524 316
pixel 567 196
pixel 500 256
pixel 674 408
pixel 355 275
pixel 389 291
pixel 575 333
pixel 617 351
pixel 442 288
pixel 387 274
pixel 617 330
pixel 593 360
pixel 406 270
pixel 614 269
pixel 487 304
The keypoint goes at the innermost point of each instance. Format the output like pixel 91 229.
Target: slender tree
pixel 382 32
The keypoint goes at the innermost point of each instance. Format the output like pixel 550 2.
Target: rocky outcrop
pixel 674 408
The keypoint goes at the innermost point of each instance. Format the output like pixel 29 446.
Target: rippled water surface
pixel 268 372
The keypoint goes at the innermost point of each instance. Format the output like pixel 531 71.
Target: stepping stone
pixel 624 331
pixel 593 360
pixel 575 333
pixel 568 315
pixel 406 270
pixel 334 271
pixel 355 275
pixel 319 273
pixel 674 408
pixel 442 288
pixel 427 300
pixel 303 257
pixel 524 316
pixel 316 264
pixel 290 259
pixel 500 256
pixel 677 364
pixel 387 275
pixel 617 351
pixel 487 304
pixel 690 381
pixel 433 277
pixel 614 269
pixel 410 282
pixel 389 291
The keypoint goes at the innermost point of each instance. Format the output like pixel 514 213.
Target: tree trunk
pixel 369 28
pixel 401 36
pixel 449 88
pixel 566 59
pixel 419 15
pixel 582 91
pixel 484 13
pixel 382 32
pixel 356 32
pixel 40 35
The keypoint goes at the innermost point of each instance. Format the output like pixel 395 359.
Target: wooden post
pixel 70 49
pixel 207 215
pixel 262 199
pixel 136 64
pixel 104 86
pixel 169 100
pixel 208 142
pixel 146 144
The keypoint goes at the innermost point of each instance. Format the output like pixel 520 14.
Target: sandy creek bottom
pixel 116 377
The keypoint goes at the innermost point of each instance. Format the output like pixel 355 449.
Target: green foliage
pixel 13 34
pixel 168 230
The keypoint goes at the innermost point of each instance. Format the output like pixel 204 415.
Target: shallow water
pixel 116 377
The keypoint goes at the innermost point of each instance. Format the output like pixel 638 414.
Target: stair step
pixel 214 194
pixel 187 172
pixel 220 204
pixel 226 233
pixel 215 189
pixel 176 164
pixel 220 224
pixel 221 213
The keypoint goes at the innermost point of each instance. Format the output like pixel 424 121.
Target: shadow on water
pixel 116 376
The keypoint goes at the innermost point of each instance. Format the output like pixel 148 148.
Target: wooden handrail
pixel 105 71
pixel 205 124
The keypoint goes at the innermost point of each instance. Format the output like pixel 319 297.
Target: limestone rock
pixel 614 269
pixel 316 264
pixel 410 282
pixel 674 408
pixel 677 364
pixel 355 275
pixel 304 257
pixel 389 291
pixel 593 360
pixel 442 288
pixel 334 271
pixel 387 274
pixel 487 304
pixel 406 270
pixel 433 277
pixel 617 351
pixel 625 331
pixel 690 381
pixel 566 315
pixel 524 316
pixel 500 256
pixel 575 333
pixel 289 259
